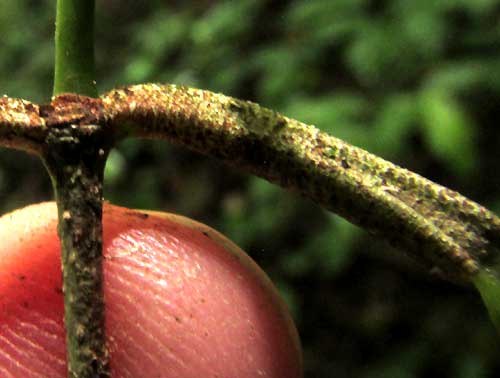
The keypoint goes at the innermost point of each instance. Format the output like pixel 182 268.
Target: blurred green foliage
pixel 415 81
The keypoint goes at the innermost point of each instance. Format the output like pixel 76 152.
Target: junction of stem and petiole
pixel 75 156
pixel 439 227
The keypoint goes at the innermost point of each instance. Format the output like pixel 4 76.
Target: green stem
pixel 75 160
pixel 487 282
pixel 76 166
pixel 74 65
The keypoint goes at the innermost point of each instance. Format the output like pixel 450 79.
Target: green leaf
pixel 329 251
pixel 115 167
pixel 324 22
pixel 487 283
pixel 448 131
pixel 393 124
pixel 227 20
pixel 380 51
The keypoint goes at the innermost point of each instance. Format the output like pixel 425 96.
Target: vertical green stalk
pixel 74 63
pixel 75 156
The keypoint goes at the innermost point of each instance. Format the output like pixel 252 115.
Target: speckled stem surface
pixel 74 149
pixel 75 158
pixel 21 125
pixel 439 227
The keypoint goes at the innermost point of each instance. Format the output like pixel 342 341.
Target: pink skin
pixel 181 301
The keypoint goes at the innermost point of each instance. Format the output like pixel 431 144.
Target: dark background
pixel 415 81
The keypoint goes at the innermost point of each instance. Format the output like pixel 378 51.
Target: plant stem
pixel 74 61
pixel 76 166
pixel 441 228
pixel 75 159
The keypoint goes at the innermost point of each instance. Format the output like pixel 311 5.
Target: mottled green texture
pixel 74 61
pixel 439 227
pixel 256 119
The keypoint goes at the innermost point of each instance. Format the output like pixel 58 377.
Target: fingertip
pixel 175 297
